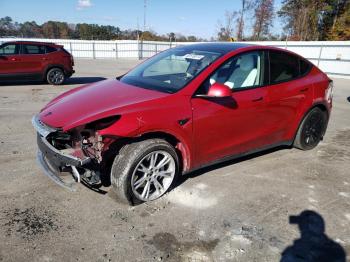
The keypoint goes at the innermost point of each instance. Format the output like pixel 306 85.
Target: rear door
pixel 287 93
pixel 33 58
pixel 9 59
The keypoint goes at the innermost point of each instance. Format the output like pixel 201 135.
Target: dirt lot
pixel 238 211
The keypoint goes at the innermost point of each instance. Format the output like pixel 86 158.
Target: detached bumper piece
pixel 54 161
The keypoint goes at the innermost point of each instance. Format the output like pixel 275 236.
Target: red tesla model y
pixel 185 108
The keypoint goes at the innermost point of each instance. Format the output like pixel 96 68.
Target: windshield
pixel 170 70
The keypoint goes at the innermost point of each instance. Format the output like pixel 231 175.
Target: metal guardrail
pixel 332 57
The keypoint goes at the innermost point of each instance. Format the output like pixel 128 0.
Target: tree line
pixel 83 31
pixel 303 20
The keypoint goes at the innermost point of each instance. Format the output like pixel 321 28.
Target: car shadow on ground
pixel 348 98
pixel 69 81
pixel 313 245
pixel 207 169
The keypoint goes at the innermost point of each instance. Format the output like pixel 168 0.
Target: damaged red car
pixel 183 109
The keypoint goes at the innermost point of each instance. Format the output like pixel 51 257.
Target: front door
pixel 228 126
pixel 9 59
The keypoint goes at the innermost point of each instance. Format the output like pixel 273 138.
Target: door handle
pixel 14 59
pixel 258 99
pixel 304 89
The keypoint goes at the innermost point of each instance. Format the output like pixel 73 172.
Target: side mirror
pixel 219 90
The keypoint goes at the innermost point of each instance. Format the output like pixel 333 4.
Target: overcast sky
pixel 189 17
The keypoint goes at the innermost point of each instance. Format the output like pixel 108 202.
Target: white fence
pixel 333 57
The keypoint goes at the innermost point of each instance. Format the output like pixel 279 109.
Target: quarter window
pixel 50 49
pixel 304 67
pixel 283 67
pixel 9 49
pixel 33 49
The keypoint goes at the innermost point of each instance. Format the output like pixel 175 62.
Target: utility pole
pixel 138 29
pixel 144 15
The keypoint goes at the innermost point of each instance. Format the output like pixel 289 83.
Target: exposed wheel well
pixel 172 140
pixel 322 107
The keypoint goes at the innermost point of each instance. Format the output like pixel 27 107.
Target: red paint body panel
pixel 94 101
pixel 228 126
pixel 214 128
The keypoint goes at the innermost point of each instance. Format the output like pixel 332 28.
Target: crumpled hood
pixel 94 101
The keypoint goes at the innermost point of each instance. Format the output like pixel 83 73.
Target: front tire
pixel 55 76
pixel 144 171
pixel 311 130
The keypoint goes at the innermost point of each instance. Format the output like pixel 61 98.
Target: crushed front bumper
pixel 52 160
pixel 52 173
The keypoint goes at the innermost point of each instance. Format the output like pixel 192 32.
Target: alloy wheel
pixel 56 76
pixel 153 175
pixel 312 132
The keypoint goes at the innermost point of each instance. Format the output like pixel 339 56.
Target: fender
pixel 127 127
pixel 183 145
pixel 296 126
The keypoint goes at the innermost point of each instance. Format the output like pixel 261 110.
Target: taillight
pixel 329 92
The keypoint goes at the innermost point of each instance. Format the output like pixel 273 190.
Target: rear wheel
pixel 55 76
pixel 144 171
pixel 311 130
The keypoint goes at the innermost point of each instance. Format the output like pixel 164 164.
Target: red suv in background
pixel 24 60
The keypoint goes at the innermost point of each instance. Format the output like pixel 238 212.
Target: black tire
pixel 311 129
pixel 55 76
pixel 128 159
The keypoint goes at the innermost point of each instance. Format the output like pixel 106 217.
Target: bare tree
pixel 225 29
pixel 263 18
pixel 246 7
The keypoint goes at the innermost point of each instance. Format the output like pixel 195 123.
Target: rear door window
pixel 33 49
pixel 9 49
pixel 283 67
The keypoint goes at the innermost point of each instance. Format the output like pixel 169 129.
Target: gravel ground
pixel 237 211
